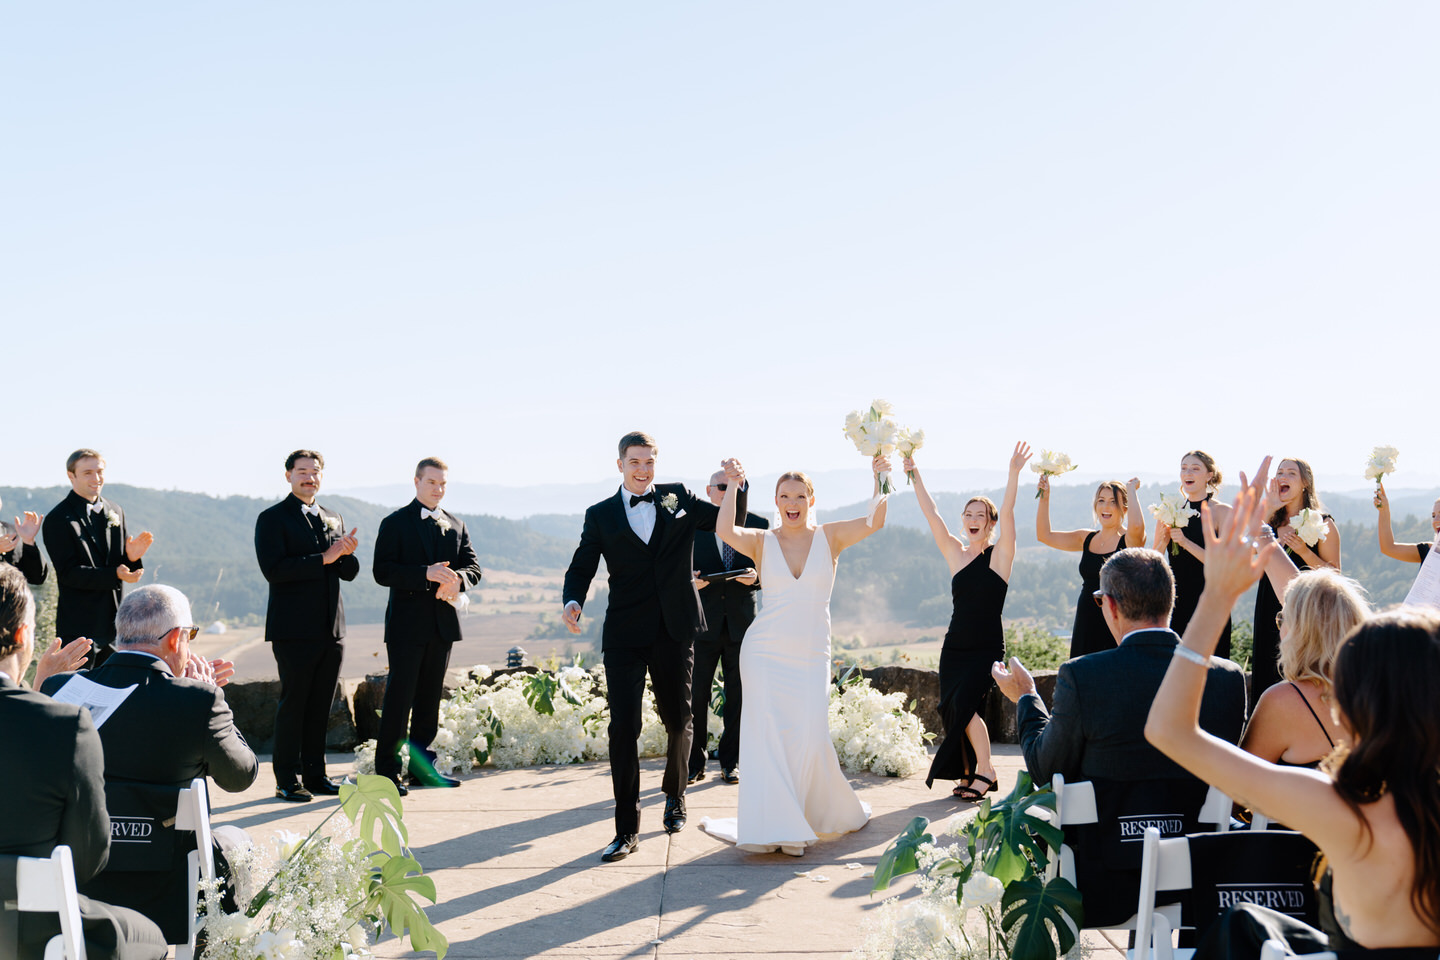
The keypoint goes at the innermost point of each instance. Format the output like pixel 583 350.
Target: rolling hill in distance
pixel 205 547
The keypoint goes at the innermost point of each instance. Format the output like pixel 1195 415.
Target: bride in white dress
pixel 793 791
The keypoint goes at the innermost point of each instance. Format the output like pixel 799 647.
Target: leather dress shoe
pixel 696 776
pixel 322 787
pixel 621 847
pixel 674 814
pixel 293 792
pixel 731 776
pixel 432 780
pixel 399 783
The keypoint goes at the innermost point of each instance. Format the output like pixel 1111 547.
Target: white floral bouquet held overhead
pixel 910 441
pixel 1381 462
pixel 876 433
pixel 1052 463
pixel 1310 526
pixel 1175 512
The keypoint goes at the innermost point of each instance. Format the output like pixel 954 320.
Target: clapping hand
pixel 1014 682
pixel 30 526
pixel 136 546
pixel 129 576
pixel 341 548
pixel 222 670
pixel 61 657
pixel 198 668
pixel 7 542
pixel 442 574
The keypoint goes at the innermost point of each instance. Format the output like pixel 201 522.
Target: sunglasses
pixel 1099 597
pixel 190 633
pixel 720 486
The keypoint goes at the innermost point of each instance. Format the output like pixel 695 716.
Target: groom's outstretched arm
pixel 584 563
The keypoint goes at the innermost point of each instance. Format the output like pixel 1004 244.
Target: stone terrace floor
pixel 515 858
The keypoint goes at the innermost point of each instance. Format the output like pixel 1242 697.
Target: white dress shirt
pixel 641 516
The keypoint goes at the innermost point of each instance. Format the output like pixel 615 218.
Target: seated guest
pixel 55 794
pixel 1375 810
pixel 1292 724
pixel 1096 730
pixel 174 727
pixel 17 547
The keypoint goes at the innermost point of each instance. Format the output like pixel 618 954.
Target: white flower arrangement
pixel 1310 526
pixel 1175 512
pixel 874 731
pixel 112 519
pixel 1052 463
pixel 1381 462
pixel 670 502
pixel 875 433
pixel 910 441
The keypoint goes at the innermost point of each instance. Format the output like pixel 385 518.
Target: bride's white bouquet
pixel 1310 526
pixel 1052 463
pixel 1382 461
pixel 875 433
pixel 1174 512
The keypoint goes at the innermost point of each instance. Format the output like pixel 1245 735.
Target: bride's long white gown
pixel 792 791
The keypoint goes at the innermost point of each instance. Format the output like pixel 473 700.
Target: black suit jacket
pixel 650 584
pixel 405 546
pixel 170 730
pixel 727 601
pixel 25 556
pixel 55 787
pixel 305 601
pixel 85 549
pixel 1096 727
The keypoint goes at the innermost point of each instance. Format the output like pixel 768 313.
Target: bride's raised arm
pixel 847 533
pixel 744 540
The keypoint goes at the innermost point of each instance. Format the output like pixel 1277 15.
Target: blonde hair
pixel 992 511
pixel 1122 497
pixel 1210 467
pixel 1321 608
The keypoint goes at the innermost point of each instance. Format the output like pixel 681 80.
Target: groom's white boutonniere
pixel 112 518
pixel 670 502
pixel 442 523
pixel 332 524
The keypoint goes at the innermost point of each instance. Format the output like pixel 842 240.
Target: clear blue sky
pixel 506 233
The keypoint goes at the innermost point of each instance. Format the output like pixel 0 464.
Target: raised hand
pixel 1043 486
pixel 1133 485
pixel 30 526
pixel 59 658
pixel 1381 501
pixel 1014 682
pixel 1232 562
pixel 734 472
pixel 1020 457
pixel 880 465
pixel 129 576
pixel 136 546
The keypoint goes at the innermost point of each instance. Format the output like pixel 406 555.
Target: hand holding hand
pixel 734 471
pixel 222 671
pixel 1014 682
pixel 571 616
pixel 128 575
pixel 1020 457
pixel 441 573
pixel 136 546
pixel 449 592
pixel 61 659
pixel 30 526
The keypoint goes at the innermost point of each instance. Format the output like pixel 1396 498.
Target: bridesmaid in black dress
pixel 1409 552
pixel 1291 490
pixel 1199 479
pixel 1122 524
pixel 979 578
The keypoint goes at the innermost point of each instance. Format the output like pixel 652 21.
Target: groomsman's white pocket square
pixel 680 514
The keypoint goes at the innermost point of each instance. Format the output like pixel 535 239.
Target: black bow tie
pixel 643 498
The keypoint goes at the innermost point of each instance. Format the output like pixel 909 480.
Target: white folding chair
pixel 1275 950
pixel 192 812
pixel 1075 804
pixel 47 885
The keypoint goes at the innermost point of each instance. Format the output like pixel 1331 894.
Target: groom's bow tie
pixel 643 498
pixel 96 507
pixel 313 509
pixel 429 514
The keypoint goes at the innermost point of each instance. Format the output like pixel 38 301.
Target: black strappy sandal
pixel 969 794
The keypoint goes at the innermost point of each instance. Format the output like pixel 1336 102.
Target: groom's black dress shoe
pixel 400 787
pixel 621 847
pixel 696 776
pixel 674 814
pixel 731 776
pixel 323 787
pixel 433 780
pixel 293 792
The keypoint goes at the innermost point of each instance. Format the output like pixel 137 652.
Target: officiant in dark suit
pixel 93 555
pixel 18 547
pixel 729 607
pixel 304 553
pixel 423 554
pixel 646 535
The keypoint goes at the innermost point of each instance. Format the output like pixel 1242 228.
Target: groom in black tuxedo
pixel 423 554
pixel 646 534
pixel 304 553
pixel 93 556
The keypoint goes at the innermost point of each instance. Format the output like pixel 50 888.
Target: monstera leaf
pixel 389 894
pixel 899 858
pixel 376 803
pixel 1045 913
pixel 539 690
pixel 1014 838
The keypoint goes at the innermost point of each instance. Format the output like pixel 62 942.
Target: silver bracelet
pixel 1185 653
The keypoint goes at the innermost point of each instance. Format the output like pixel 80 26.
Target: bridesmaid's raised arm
pixel 950 546
pixel 1004 556
pixel 1071 540
pixel 1135 517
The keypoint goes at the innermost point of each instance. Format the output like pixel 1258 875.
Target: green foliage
pixel 376 802
pixel 1010 839
pixel 1046 912
pixel 1242 642
pixel 540 689
pixel 899 858
pixel 1038 649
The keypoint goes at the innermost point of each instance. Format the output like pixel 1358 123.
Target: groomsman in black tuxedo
pixel 646 534
pixel 17 547
pixel 93 555
pixel 304 553
pixel 729 607
pixel 423 554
